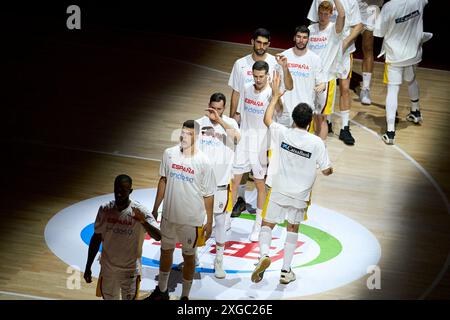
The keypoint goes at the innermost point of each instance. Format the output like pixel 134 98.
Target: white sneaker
pixel 364 97
pixel 254 236
pixel 261 266
pixel 287 276
pixel 218 268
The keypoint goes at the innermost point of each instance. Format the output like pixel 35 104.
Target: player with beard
pixel 306 70
pixel 218 138
pixel 241 75
pixel 242 68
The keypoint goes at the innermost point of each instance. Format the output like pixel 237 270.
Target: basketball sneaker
pixel 415 116
pixel 346 136
pixel 388 137
pixel 157 295
pixel 218 268
pixel 238 207
pixel 260 267
pixel 287 276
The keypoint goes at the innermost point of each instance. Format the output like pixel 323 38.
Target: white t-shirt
pixel 253 130
pixel 293 165
pixel 401 24
pixel 377 3
pixel 122 237
pixel 327 44
pixel 189 180
pixel 220 152
pixel 242 72
pixel 306 72
pixel 352 18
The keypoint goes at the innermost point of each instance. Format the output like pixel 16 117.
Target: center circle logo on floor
pixel 332 250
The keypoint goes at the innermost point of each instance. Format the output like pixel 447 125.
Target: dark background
pixel 221 20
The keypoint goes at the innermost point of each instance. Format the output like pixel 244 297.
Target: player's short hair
pixel 261 32
pixel 217 97
pixel 123 177
pixel 261 65
pixel 326 6
pixel 302 115
pixel 192 124
pixel 302 29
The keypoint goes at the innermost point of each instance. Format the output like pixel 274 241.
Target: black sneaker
pixel 330 127
pixel 415 116
pixel 158 295
pixel 388 137
pixel 239 206
pixel 346 136
pixel 184 298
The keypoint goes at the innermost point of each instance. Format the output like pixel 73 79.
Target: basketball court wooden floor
pixel 91 107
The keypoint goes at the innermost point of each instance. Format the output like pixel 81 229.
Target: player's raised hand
pixel 212 114
pixel 275 85
pixel 282 60
pixel 139 216
pixel 320 87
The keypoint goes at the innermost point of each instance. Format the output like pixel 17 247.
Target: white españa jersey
pixel 122 237
pixel 401 24
pixel 212 141
pixel 327 44
pixel 306 72
pixel 253 130
pixel 242 73
pixel 189 180
pixel 293 165
pixel 352 17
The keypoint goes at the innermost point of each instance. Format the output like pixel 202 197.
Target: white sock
pixel 241 191
pixel 163 279
pixel 187 284
pixel 345 117
pixel 289 247
pixel 329 118
pixel 413 89
pixel 391 105
pixel 265 238
pixel 367 76
pixel 220 218
pixel 219 252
